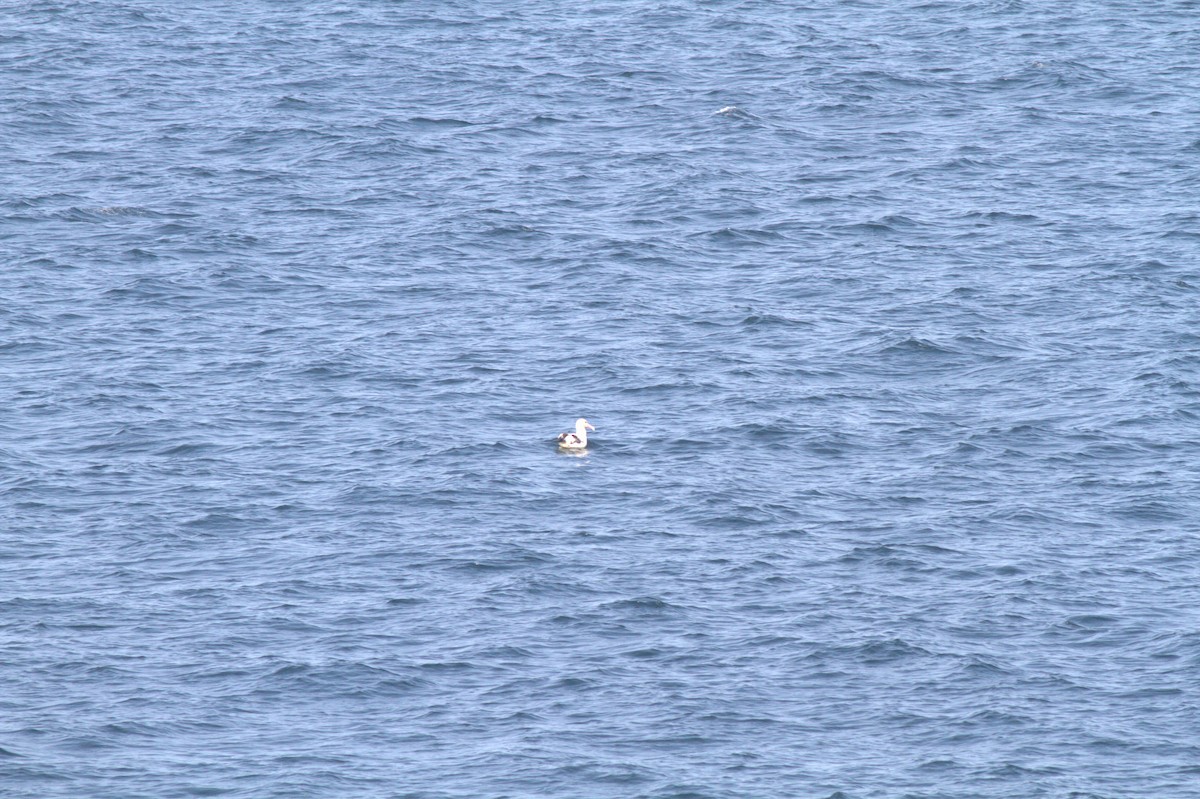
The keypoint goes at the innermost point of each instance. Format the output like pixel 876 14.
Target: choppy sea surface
pixel 886 314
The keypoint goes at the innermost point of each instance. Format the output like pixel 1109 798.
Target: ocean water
pixel 886 314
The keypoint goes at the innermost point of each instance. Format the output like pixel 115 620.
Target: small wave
pixel 733 112
pixel 1054 75
pixel 97 213
pixel 1003 216
pixel 874 652
pixel 640 603
pixel 734 235
pixel 906 345
pixel 432 122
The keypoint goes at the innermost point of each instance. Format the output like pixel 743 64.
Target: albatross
pixel 578 439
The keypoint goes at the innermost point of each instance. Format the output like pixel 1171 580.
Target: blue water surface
pixel 887 314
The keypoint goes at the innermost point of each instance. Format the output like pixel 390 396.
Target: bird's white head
pixel 584 424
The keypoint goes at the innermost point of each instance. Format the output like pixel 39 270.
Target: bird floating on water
pixel 578 439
